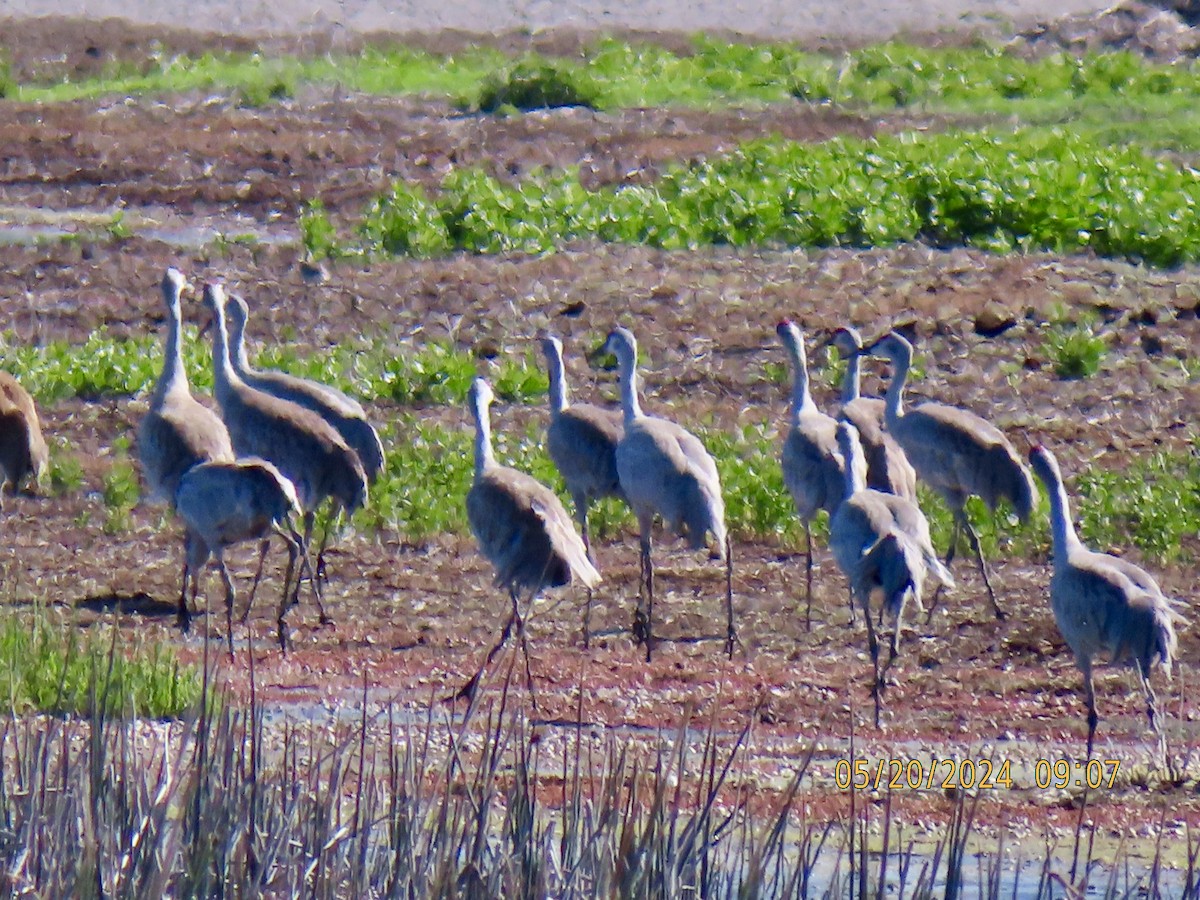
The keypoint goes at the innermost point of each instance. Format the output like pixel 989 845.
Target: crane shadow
pixel 138 603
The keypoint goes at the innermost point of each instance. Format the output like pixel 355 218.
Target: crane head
pixel 481 393
pixel 174 285
pixel 620 343
pixel 848 342
pixel 892 345
pixel 1045 466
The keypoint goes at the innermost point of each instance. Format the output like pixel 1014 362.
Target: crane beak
pixel 602 358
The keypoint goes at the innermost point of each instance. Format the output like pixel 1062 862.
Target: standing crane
pixel 306 449
pixel 344 413
pixel 178 432
pixel 880 542
pixel 956 453
pixel 522 529
pixel 23 453
pixel 888 469
pixel 1104 604
pixel 665 470
pixel 582 441
pixel 813 469
pixel 223 503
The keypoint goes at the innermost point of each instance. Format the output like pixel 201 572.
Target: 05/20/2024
pixel 969 774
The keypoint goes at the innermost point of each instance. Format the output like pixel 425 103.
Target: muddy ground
pixel 413 619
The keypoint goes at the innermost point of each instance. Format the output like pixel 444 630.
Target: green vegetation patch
pixel 106 365
pixel 56 669
pixel 537 84
pixel 1033 189
pixel 1152 501
pixel 611 74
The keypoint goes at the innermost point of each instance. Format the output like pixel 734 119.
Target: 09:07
pixel 1061 773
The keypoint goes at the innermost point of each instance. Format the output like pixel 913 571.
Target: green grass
pixel 1152 502
pixel 61 669
pixel 1051 190
pixel 611 74
pixel 106 366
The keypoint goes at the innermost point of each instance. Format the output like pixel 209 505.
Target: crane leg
pixel 649 595
pixel 291 593
pixel 193 567
pixel 587 620
pixel 730 629
pixel 263 546
pixel 230 598
pixel 807 576
pixel 937 592
pixel 1090 691
pixel 521 637
pixel 184 617
pixel 983 569
pixel 320 576
pixel 873 646
pixel 467 691
pixel 1152 712
pixel 642 619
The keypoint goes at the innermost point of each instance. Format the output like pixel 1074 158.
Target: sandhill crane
pixel 177 432
pixel 1103 603
pixel 521 527
pixel 224 503
pixel 306 449
pixel 888 469
pixel 582 441
pixel 665 469
pixel 344 413
pixel 23 453
pixel 956 453
pixel 880 542
pixel 813 469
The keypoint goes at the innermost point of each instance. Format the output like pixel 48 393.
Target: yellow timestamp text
pixel 971 774
pixel 1065 773
pixel 917 774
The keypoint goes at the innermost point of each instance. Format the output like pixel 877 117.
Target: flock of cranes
pixel 282 446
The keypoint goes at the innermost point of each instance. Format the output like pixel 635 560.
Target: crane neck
pixel 174 374
pixel 630 406
pixel 802 401
pixel 237 342
pixel 559 394
pixel 855 462
pixel 484 458
pixel 224 376
pixel 1062 531
pixel 850 387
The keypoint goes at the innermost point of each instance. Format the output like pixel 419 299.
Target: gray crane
pixel 888 469
pixel 813 469
pixel 582 441
pixel 177 432
pixel 1104 604
pixel 955 452
pixel 880 542
pixel 224 503
pixel 306 449
pixel 522 529
pixel 344 413
pixel 23 453
pixel 665 470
